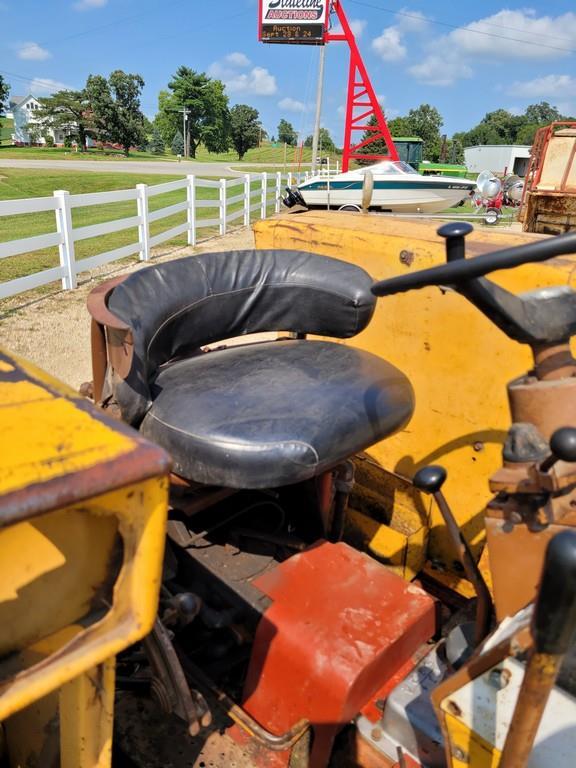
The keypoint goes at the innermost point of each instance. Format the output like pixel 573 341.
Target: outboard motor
pixel 294 200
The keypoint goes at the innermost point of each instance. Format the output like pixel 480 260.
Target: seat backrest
pixel 175 308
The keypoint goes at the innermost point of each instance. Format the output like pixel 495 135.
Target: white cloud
pixel 356 25
pixel 549 86
pixel 88 5
pixel 389 45
pixel 257 82
pixel 526 35
pixel 43 86
pixel 237 59
pixel 443 70
pixel 292 105
pixel 32 52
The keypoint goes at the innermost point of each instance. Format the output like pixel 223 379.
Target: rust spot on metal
pixel 407 258
pixel 453 708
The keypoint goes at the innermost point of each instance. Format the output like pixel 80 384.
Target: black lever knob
pixel 563 444
pixel 430 479
pixel 555 613
pixel 454 232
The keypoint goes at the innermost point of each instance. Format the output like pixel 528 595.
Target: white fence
pixel 238 199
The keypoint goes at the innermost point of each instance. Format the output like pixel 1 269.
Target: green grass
pixel 267 153
pixel 6 129
pixel 264 154
pixel 23 183
pixel 10 152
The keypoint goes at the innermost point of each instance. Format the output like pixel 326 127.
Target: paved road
pixel 219 170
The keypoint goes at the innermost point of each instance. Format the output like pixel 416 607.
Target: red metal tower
pixel 361 105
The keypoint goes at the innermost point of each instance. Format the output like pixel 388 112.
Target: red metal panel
pixel 339 627
pixel 361 95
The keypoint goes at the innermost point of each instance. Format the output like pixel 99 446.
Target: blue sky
pixel 464 58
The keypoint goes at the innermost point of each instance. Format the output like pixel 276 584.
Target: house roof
pixel 16 101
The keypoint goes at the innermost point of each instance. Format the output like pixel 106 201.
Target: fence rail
pixel 237 200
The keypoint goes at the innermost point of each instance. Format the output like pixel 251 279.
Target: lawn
pixel 23 183
pixel 267 153
pixel 6 129
pixel 9 152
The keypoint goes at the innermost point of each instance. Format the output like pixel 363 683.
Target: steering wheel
pixel 542 316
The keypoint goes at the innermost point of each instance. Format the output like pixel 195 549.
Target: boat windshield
pixel 390 167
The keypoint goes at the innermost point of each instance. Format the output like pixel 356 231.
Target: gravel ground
pixel 53 331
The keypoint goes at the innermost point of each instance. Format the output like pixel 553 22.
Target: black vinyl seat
pixel 274 413
pixel 256 415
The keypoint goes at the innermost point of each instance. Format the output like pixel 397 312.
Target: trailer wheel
pixel 491 216
pixel 349 208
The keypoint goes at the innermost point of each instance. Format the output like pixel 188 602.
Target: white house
pixel 498 158
pixel 26 121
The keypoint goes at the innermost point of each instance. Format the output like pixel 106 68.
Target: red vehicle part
pixel 340 626
pixel 361 105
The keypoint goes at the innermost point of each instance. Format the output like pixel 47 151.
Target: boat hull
pixel 405 196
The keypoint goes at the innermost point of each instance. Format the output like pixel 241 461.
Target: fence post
pixel 264 196
pixel 191 210
pixel 144 226
pixel 66 247
pixel 247 199
pixel 222 206
pixel 278 191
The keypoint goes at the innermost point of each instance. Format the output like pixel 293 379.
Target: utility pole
pixel 184 122
pixel 185 113
pixel 319 92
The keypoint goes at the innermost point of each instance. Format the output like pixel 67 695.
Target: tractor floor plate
pixel 150 739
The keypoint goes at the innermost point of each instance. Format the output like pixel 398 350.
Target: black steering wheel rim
pixel 460 271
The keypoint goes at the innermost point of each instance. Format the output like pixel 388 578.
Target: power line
pixel 472 31
pixel 115 23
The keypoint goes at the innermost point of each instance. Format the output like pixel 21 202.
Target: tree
pixel 398 126
pixel 178 144
pixel 206 105
pixel 542 113
pixel 245 128
pixel 4 91
pixel 325 143
pixel 69 111
pixel 156 145
pixel 425 122
pixel 115 105
pixel 33 134
pixel 286 133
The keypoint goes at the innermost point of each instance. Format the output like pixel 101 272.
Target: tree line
pixel 497 127
pixel 194 108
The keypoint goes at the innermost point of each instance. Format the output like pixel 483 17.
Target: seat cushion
pixel 276 413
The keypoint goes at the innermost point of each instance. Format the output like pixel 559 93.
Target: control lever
pixel 563 447
pixel 469 269
pixel 541 317
pixel 553 627
pixel 454 233
pixel 430 480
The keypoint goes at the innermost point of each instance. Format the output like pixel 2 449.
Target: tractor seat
pixel 274 413
pixel 259 415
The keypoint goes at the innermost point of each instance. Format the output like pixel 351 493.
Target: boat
pixel 387 186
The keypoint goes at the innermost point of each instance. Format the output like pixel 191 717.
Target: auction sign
pixel 293 21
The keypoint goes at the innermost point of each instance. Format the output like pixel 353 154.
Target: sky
pixel 464 58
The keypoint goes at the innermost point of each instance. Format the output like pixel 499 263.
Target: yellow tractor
pixel 369 560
